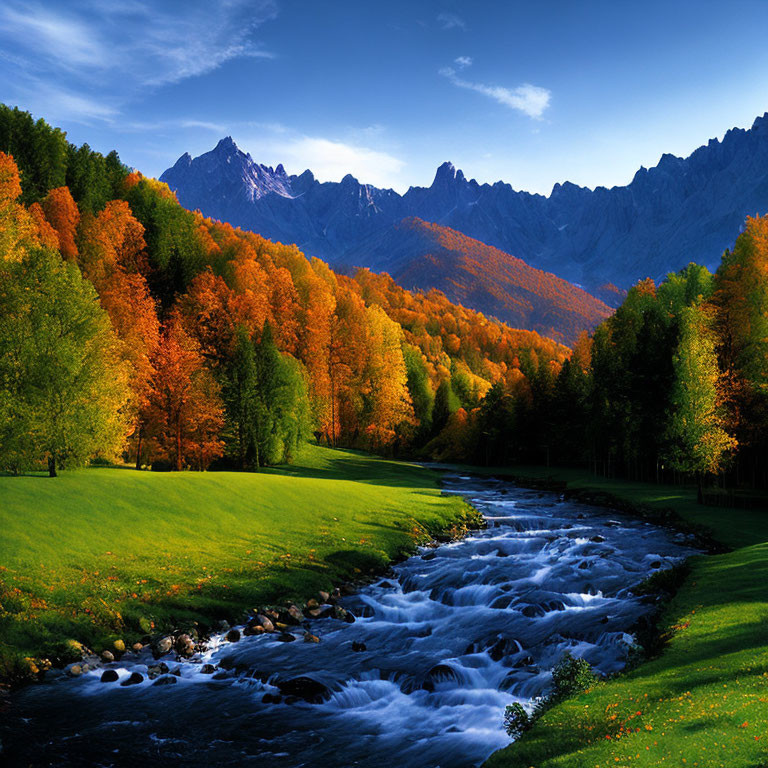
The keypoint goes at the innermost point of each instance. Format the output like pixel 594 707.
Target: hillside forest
pixel 132 328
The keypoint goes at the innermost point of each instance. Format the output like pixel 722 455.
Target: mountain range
pixel 681 210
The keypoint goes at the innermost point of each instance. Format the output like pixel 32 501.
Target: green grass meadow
pixel 704 700
pixel 100 554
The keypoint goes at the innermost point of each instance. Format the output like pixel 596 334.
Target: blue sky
pixel 529 92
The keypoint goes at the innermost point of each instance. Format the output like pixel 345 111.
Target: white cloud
pixel 529 99
pixel 330 160
pixel 450 21
pixel 48 100
pixel 463 62
pixel 112 51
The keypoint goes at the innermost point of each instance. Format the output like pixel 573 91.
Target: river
pixel 421 678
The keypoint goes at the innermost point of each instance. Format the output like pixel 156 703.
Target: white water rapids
pixel 451 636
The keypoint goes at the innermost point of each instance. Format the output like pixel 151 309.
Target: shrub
pixel 572 676
pixel 516 720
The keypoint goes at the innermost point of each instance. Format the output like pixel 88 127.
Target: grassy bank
pixel 98 555
pixel 704 701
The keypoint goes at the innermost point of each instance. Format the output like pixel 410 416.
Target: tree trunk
pixel 138 448
pixel 52 465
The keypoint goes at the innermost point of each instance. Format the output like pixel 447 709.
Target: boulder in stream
pixel 305 688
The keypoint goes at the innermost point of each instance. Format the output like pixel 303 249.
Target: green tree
pixel 698 440
pixel 267 401
pixel 241 397
pixel 63 386
pixel 446 403
pixel 420 390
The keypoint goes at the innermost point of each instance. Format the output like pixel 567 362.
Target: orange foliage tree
pixel 63 215
pixel 184 412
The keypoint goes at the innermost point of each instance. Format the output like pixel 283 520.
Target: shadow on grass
pixel 360 467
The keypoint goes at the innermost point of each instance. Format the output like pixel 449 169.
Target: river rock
pixel 310 638
pixel 164 645
pixel 109 676
pixel 165 680
pixel 304 688
pixel 359 647
pixel 119 646
pixel 271 698
pixel 286 637
pixel 312 603
pixel 233 636
pixel 137 647
pixel 252 628
pixel 155 670
pixel 207 669
pixel 502 647
pixel 133 679
pixel 76 670
pixel 342 614
pixel 185 645
pixel 265 622
pixel 293 615
pixel 107 656
pixel 597 539
pixel 324 596
pixel 176 671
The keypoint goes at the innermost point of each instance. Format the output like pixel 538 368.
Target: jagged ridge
pixel 683 209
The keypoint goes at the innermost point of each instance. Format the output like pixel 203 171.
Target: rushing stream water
pixel 450 637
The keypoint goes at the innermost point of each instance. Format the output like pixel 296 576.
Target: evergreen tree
pixel 420 390
pixel 446 403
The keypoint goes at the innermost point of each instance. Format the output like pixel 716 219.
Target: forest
pixel 135 329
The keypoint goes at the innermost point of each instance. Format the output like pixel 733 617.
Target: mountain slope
pixel 423 255
pixel 681 210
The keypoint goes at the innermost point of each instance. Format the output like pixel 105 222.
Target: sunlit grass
pixel 704 701
pixel 100 554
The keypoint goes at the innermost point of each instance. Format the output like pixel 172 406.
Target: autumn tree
pixel 387 401
pixel 111 252
pixel 741 301
pixel 63 215
pixel 184 412
pixel 17 226
pixel 63 385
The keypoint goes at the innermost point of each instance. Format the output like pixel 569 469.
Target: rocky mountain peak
pixel 226 145
pixel 446 174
